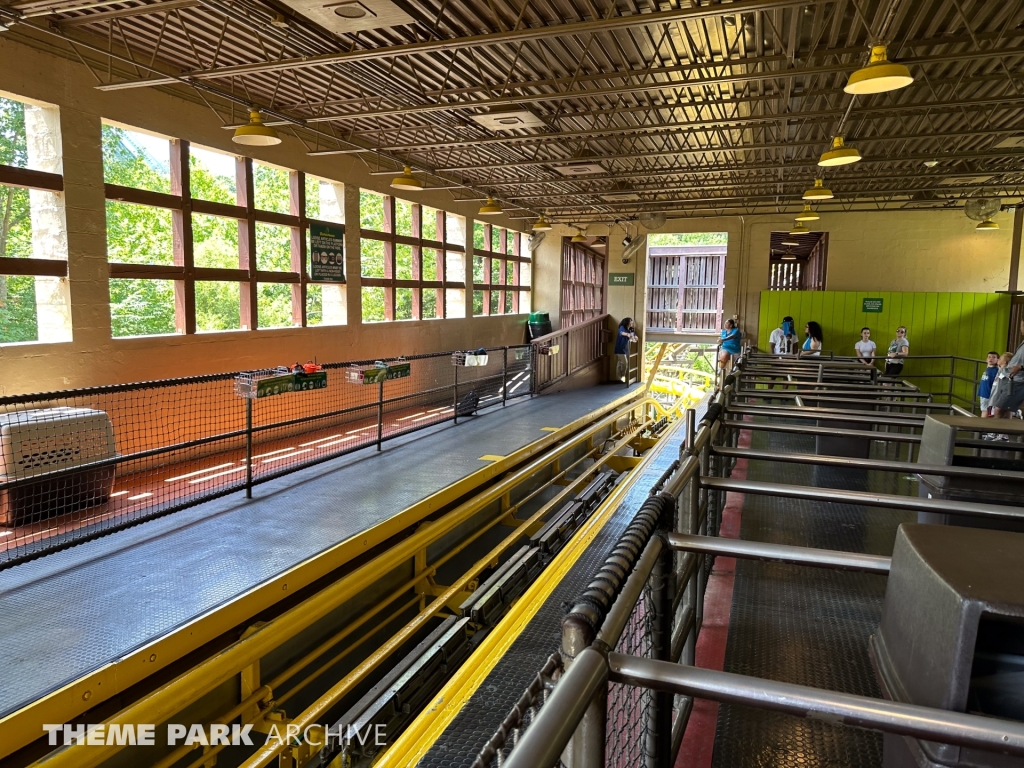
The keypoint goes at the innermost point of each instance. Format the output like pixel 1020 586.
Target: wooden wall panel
pixel 962 324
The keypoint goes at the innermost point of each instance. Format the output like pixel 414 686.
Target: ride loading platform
pixel 769 603
pixel 288 607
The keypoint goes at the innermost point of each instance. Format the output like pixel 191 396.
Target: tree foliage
pixel 17 293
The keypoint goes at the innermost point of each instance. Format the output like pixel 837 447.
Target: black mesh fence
pixel 629 705
pixel 80 463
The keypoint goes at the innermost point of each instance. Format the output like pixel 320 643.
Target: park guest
pixel 813 341
pixel 783 338
pixel 865 347
pixel 898 349
pixel 988 378
pixel 625 335
pixel 730 343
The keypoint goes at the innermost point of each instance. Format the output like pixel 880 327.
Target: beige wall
pixel 884 251
pixel 93 357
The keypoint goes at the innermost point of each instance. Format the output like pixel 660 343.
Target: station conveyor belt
pixel 495 695
pixel 71 615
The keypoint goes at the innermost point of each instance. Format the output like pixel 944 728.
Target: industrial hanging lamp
pixel 987 226
pixel 799 229
pixel 790 243
pixel 789 256
pixel 256 134
pixel 807 214
pixel 490 208
pixel 579 237
pixel 541 225
pixel 407 181
pixel 840 154
pixel 879 76
pixel 818 192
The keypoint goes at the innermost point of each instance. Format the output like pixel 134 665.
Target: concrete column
pixel 335 295
pixel 353 287
pixel 49 228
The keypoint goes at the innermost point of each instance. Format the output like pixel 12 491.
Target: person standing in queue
pixel 1007 400
pixel 626 334
pixel 815 338
pixel 865 347
pixel 730 343
pixel 898 349
pixel 782 338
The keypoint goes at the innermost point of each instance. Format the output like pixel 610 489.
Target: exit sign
pixel 871 305
pixel 620 278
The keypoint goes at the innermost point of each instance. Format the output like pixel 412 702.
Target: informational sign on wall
pixel 620 278
pixel 327 253
pixel 871 305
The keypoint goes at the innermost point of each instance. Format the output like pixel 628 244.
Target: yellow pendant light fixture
pixel 818 191
pixel 807 214
pixel 579 237
pixel 879 76
pixel 790 242
pixel 407 181
pixel 789 256
pixel 541 225
pixel 840 154
pixel 799 229
pixel 490 208
pixel 256 134
pixel 987 226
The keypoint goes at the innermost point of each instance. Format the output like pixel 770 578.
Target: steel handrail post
pixel 380 413
pixel 659 715
pixel 455 395
pixel 248 447
pixel 504 376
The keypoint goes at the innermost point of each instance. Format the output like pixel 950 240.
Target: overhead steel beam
pixel 512 37
pixel 633 88
pixel 701 126
pixel 141 10
pixel 711 150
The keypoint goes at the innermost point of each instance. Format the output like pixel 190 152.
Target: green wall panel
pixel 965 325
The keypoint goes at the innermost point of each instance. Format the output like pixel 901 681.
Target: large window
pixel 686 282
pixel 412 260
pixel 501 274
pixel 201 241
pixel 34 292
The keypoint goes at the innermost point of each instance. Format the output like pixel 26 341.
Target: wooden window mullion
pixel 389 257
pixel 245 196
pixel 183 246
pixel 417 261
pixel 442 264
pixel 297 201
pixel 516 279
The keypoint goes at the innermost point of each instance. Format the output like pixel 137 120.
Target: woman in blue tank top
pixel 730 343
pixel 813 342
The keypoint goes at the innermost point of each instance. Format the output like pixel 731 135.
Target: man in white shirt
pixel 865 347
pixel 782 338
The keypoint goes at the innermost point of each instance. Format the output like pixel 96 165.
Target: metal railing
pixel 950 377
pixel 653 584
pixel 82 463
pixel 564 353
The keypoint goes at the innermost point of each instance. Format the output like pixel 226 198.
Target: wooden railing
pixel 563 353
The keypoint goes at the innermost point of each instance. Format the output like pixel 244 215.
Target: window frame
pixel 185 274
pixel 503 258
pixel 390 283
pixel 13 176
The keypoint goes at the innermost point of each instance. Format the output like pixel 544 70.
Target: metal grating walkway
pixel 806 625
pixel 74 611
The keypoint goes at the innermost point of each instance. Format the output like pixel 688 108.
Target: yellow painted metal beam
pixel 25 726
pixel 412 745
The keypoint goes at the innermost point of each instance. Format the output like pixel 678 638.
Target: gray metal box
pixel 938 446
pixel 952 635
